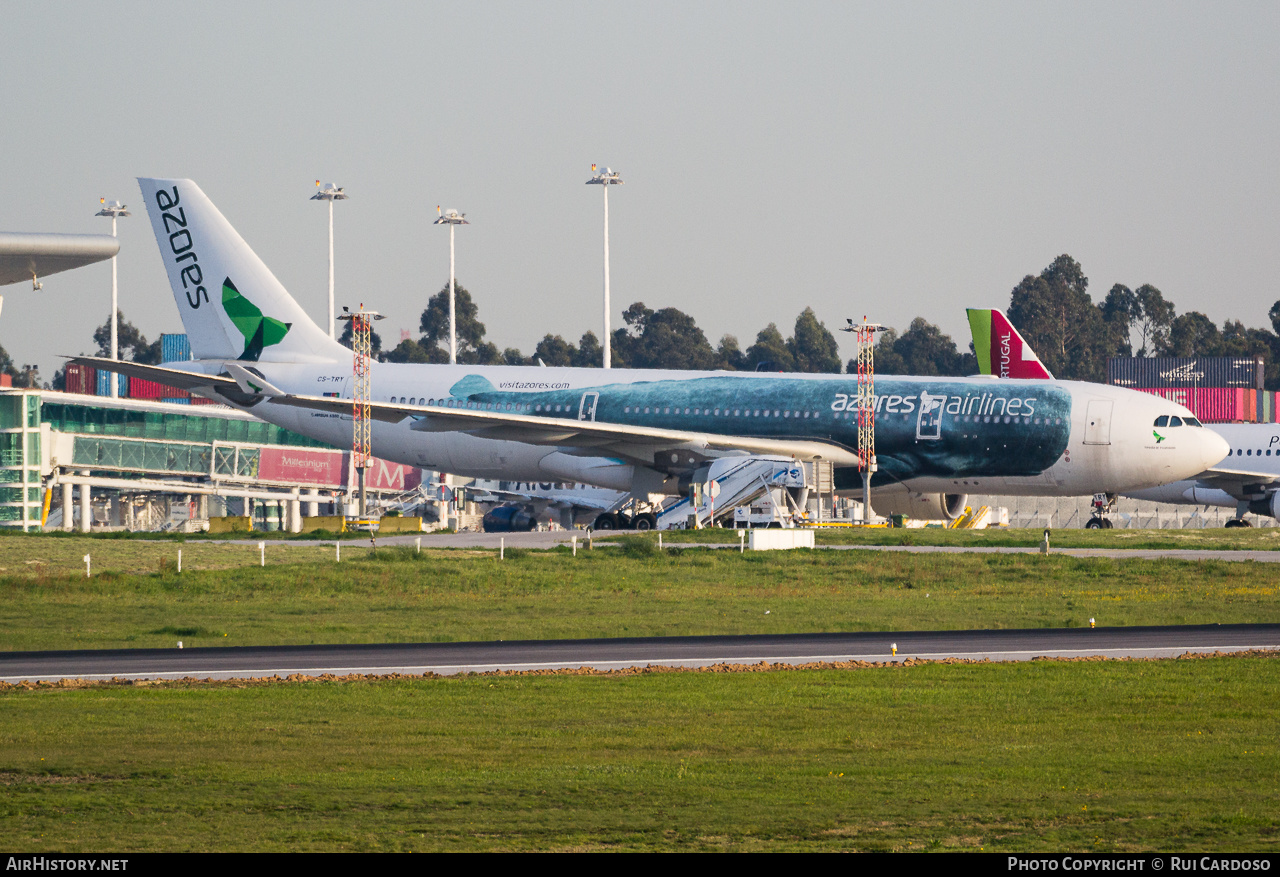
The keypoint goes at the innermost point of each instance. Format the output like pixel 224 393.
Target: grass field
pixel 1243 539
pixel 1170 755
pixel 136 598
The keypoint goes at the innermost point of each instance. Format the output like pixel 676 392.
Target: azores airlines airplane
pixel 1248 479
pixel 643 431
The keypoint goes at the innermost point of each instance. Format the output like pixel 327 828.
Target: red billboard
pixel 310 468
pixel 321 468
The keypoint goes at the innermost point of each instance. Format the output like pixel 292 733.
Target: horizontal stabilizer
pixel 171 377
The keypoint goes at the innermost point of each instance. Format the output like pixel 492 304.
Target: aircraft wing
pixel 170 376
pixel 558 499
pixel 639 443
pixel 27 256
pixel 1235 481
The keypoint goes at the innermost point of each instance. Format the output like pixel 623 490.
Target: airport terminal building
pixel 75 461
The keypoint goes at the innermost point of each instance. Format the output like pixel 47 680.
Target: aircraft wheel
pixel 1094 524
pixel 1106 524
pixel 606 522
pixel 624 521
pixel 1237 522
pixel 645 522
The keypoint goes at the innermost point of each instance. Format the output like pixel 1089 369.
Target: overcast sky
pixel 889 159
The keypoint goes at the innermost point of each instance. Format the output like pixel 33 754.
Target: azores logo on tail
pixel 259 331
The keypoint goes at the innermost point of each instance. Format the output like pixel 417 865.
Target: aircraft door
pixel 1097 422
pixel 929 420
pixel 587 410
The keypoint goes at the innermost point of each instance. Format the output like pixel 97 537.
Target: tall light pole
pixel 453 219
pixel 330 193
pixel 604 180
pixel 115 210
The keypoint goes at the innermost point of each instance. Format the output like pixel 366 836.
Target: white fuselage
pixel 1110 447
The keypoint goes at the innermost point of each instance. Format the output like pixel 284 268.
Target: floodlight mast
pixel 115 210
pixel 604 179
pixel 865 333
pixel 453 219
pixel 330 193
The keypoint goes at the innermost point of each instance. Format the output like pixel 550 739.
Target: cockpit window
pixel 1191 421
pixel 1162 420
pixel 1175 421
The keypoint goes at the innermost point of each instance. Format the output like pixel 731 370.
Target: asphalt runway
pixel 606 654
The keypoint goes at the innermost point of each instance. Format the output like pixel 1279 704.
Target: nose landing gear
pixel 1103 503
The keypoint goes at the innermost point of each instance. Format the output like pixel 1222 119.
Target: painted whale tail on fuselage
pixel 232 306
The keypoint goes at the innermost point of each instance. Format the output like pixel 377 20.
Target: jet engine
pixel 922 506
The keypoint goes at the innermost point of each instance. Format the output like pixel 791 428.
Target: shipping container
pixel 82 379
pixel 1186 371
pixel 201 400
pixel 143 389
pixel 104 384
pixel 175 348
pixel 1209 404
pixel 183 400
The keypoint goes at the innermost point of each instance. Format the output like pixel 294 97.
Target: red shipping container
pixel 201 400
pixel 140 389
pixel 82 379
pixel 1209 404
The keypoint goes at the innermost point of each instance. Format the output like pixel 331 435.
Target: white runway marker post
pixel 262 554
pixel 573 540
pixel 87 567
pixel 337 547
pixel 502 547
pixel 417 543
pixel 179 560
pixel 742 541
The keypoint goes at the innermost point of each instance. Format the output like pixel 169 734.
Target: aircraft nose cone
pixel 1213 448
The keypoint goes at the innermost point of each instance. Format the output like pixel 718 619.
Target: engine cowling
pixel 922 506
pixel 1269 506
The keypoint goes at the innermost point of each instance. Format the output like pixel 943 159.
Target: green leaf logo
pixel 259 331
pixel 1159 437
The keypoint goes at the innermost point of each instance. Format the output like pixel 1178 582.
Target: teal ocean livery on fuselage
pixel 924 428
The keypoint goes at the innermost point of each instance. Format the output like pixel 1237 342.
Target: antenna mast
pixel 866 335
pixel 361 425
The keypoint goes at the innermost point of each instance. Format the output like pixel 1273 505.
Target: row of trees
pixel 1072 334
pixel 666 338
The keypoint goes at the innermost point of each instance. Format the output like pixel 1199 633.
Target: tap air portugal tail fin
pixel 232 306
pixel 1000 349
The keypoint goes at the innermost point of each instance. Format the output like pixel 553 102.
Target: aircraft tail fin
pixel 1001 351
pixel 232 306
